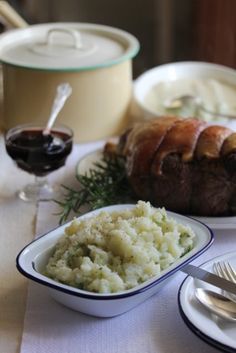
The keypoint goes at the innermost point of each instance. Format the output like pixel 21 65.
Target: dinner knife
pixel 208 277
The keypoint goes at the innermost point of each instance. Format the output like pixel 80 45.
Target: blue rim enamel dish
pixel 32 260
pixel 214 331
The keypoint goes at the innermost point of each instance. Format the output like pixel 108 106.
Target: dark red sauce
pixel 39 154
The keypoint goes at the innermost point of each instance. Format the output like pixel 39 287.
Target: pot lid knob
pixel 77 43
pixel 57 45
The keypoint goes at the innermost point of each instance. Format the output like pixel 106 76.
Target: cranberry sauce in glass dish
pixel 38 153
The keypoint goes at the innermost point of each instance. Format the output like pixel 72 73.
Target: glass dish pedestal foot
pixel 40 190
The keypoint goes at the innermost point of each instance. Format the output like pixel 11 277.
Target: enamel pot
pixel 95 60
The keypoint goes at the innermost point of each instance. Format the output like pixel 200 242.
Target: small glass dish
pixel 38 154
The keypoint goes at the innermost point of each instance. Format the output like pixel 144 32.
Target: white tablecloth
pixel 154 326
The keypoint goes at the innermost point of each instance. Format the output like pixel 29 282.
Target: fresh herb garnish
pixel 104 184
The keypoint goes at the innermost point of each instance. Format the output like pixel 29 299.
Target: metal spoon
pixel 63 92
pixel 217 303
pixel 188 100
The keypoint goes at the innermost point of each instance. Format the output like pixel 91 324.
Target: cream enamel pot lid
pixel 67 46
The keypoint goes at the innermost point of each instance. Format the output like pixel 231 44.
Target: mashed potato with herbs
pixel 116 251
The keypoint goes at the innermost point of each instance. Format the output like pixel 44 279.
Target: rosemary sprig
pixel 104 184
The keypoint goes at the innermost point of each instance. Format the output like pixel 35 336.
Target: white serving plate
pixel 210 328
pixel 32 260
pixel 218 222
pixel 88 160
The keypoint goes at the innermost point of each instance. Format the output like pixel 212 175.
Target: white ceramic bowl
pixel 32 260
pixel 172 72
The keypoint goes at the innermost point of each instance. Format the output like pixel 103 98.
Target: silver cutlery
pixel 211 278
pixel 223 305
pixel 217 303
pixel 226 270
pixel 179 102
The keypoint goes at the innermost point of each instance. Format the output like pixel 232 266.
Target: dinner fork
pixel 226 270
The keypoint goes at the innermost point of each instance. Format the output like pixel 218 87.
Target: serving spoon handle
pixel 63 92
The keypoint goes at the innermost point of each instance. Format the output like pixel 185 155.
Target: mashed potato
pixel 116 251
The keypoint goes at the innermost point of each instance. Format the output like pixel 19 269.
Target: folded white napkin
pixel 154 326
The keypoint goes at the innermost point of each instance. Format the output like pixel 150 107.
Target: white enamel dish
pixel 172 72
pixel 88 161
pixel 210 328
pixel 32 259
